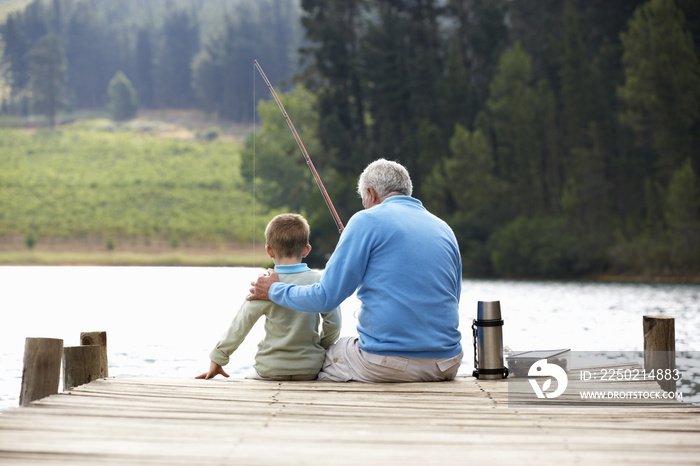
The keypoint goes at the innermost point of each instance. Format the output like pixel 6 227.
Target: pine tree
pixel 683 218
pixel 207 79
pixel 387 87
pixel 20 33
pixel 123 103
pixel 47 69
pixel 239 51
pixel 470 171
pixel 482 35
pixel 576 74
pixel 180 45
pixel 14 52
pixel 661 93
pixel 334 31
pixel 515 109
pixel 144 69
pixel 456 93
pixel 89 70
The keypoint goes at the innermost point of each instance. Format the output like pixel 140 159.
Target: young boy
pixel 292 348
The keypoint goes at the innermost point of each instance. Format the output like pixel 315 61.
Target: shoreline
pixel 187 257
pixel 158 252
pixel 661 279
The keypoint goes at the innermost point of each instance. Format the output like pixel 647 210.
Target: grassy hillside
pixel 77 182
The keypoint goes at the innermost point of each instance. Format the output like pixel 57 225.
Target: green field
pixel 80 182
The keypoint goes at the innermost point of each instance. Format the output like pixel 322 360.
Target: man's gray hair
pixel 386 177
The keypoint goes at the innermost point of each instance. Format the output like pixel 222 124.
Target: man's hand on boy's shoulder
pixel 260 288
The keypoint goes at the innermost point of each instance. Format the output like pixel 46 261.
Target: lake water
pixel 163 321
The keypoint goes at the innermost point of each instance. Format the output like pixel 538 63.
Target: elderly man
pixel 405 264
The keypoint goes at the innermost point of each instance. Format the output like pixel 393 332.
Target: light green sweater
pixel 292 344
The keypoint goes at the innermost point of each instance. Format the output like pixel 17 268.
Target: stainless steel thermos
pixel 488 342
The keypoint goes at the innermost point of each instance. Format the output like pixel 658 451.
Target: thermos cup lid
pixel 489 310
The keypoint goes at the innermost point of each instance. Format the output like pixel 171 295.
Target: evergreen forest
pixel 175 53
pixel 558 138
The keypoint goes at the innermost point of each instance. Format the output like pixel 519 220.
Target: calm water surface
pixel 163 321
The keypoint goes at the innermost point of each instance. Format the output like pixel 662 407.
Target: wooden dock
pixel 167 421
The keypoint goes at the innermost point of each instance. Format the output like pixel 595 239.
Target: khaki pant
pixel 345 361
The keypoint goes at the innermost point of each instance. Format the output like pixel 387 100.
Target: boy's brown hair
pixel 288 235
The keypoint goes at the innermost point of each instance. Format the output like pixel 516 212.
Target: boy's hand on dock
pixel 261 287
pixel 214 369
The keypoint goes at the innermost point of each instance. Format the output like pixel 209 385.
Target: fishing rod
pixel 319 183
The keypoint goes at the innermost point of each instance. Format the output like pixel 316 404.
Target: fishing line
pixel 254 193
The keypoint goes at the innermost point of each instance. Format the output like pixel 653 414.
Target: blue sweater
pixel 405 264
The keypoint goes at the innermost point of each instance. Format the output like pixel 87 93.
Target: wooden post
pixel 42 369
pixel 81 364
pixel 660 349
pixel 99 339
